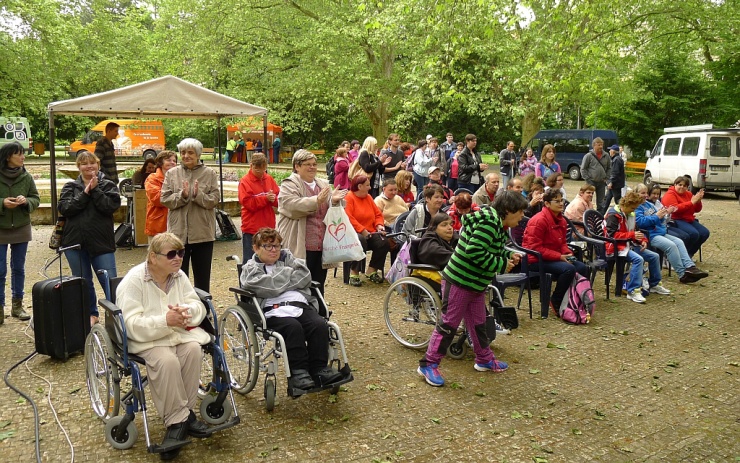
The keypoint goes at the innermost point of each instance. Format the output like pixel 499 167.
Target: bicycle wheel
pixel 239 343
pixel 102 374
pixel 412 309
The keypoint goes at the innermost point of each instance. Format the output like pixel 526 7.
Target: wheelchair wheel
pixel 239 343
pixel 101 374
pixel 412 309
pixel 213 414
pixel 129 436
pixel 458 350
pixel 270 392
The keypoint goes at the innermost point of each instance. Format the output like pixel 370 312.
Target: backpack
pixel 579 305
pixel 330 169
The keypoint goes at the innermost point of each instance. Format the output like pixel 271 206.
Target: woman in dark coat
pixel 88 204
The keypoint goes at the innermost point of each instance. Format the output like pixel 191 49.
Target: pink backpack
pixel 579 305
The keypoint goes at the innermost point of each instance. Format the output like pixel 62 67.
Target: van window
pixel 690 146
pixel 656 150
pixel 671 146
pixel 720 147
pixel 573 145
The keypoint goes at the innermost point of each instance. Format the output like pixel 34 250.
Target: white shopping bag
pixel 341 243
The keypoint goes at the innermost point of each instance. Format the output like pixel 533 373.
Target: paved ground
pixel 653 382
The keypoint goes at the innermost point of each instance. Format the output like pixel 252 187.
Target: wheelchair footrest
pixel 159 448
pixel 346 378
pixel 233 421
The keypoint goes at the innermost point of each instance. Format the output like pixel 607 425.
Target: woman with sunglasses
pixel 162 314
pixel 88 203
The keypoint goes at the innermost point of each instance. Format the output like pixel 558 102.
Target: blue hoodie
pixel 646 218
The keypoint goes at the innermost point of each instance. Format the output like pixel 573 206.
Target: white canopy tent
pixel 165 97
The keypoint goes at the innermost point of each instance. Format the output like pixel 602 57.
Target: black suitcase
pixel 124 235
pixel 226 230
pixel 61 318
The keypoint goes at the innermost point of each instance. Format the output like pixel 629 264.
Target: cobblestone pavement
pixel 653 382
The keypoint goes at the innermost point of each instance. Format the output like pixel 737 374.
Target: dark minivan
pixel 570 146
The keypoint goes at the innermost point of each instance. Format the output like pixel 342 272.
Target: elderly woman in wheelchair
pixel 156 321
pixel 281 284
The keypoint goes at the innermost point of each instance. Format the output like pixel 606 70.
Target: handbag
pixel 341 243
pixel 55 240
pixel 355 169
pixel 398 269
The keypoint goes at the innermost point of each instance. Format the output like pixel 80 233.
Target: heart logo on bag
pixel 337 231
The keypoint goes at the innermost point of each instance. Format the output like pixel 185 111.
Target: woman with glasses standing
pixel 304 200
pixel 19 197
pixel 546 234
pixel 88 203
pixel 190 192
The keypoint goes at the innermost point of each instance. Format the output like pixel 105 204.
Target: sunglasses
pixel 171 255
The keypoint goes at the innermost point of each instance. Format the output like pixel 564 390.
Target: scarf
pixel 9 174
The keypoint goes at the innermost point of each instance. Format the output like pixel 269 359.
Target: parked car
pixel 709 156
pixel 570 146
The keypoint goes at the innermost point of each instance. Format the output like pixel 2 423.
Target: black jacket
pixel 433 250
pixel 617 176
pixel 90 217
pixel 467 164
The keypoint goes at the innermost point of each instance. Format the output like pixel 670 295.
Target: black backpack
pixel 330 169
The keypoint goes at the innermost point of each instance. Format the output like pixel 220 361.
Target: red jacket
pixel 686 209
pixel 363 213
pixel 545 233
pixel 615 226
pixel 341 173
pixel 257 211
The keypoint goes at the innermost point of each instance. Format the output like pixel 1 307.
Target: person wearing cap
pixel 435 177
pixel 616 179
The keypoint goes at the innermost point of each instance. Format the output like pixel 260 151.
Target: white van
pixel 709 156
pixel 14 128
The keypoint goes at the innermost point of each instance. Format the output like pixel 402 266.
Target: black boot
pixel 196 427
pixel 176 437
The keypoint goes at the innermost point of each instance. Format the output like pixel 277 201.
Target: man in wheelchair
pixel 283 283
pixel 162 312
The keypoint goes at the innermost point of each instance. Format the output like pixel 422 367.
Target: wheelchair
pixel 251 348
pixel 108 364
pixel 413 305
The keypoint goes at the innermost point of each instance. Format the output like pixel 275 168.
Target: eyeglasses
pixel 557 201
pixel 171 255
pixel 270 247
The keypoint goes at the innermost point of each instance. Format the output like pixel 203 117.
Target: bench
pixel 318 152
pixel 634 168
pixel 211 151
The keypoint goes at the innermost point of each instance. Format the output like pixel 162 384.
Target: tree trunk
pixel 379 119
pixel 531 124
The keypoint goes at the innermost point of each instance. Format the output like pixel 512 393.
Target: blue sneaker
pixel 431 374
pixel 493 365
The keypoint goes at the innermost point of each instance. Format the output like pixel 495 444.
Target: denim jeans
pixel 17 269
pixel 420 183
pixel 693 234
pixel 637 258
pixel 675 252
pixel 80 262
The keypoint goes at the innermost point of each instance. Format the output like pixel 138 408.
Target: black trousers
pixel 201 254
pixel 376 243
pixel 318 273
pixel 306 340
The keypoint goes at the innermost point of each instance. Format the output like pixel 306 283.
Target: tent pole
pixel 53 166
pixel 265 147
pixel 220 158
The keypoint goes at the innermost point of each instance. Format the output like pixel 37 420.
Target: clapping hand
pixel 178 316
pixel 338 195
pixel 483 167
pixel 185 189
pixel 91 185
pixel 323 195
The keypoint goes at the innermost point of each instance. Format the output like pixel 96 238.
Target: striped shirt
pixel 480 253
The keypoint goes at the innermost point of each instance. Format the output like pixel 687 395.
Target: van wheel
pixel 149 154
pixel 648 178
pixel 574 172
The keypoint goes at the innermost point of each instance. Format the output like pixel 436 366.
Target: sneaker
pixel 431 374
pixel 501 330
pixel 660 289
pixel 636 296
pixel 354 280
pixel 375 278
pixel 698 273
pixel 493 365
pixel 688 278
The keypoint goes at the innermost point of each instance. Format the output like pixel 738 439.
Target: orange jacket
pixel 156 213
pixel 257 211
pixel 363 213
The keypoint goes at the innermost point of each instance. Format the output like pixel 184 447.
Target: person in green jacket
pixel 19 197
pixel 480 254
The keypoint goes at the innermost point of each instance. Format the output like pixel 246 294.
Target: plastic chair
pixel 544 278
pixel 592 221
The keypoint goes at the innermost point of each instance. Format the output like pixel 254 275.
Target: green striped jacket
pixel 480 253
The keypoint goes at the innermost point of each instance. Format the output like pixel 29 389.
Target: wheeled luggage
pixel 61 318
pixel 226 230
pixel 124 235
